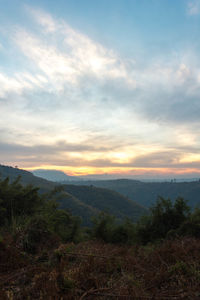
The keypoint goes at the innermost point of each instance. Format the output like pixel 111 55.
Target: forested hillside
pixel 146 193
pixel 107 200
pixel 81 200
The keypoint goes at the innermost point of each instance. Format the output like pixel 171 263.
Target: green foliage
pixel 65 225
pixel 111 202
pixel 107 229
pixel 124 233
pixel 35 232
pixel 191 226
pixel 24 211
pixel 103 227
pixel 165 217
pixel 34 216
pixel 16 200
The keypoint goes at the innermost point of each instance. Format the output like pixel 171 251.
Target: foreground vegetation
pixel 95 270
pixel 46 254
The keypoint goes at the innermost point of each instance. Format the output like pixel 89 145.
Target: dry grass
pixel 94 270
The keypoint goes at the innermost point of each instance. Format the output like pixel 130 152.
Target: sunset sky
pixel 101 86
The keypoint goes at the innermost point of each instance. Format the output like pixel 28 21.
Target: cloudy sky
pixel 94 87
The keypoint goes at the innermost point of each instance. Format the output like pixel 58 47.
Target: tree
pixel 34 213
pixel 164 216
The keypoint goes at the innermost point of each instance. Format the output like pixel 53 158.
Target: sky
pixel 101 87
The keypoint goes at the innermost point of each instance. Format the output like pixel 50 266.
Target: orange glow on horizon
pixel 78 171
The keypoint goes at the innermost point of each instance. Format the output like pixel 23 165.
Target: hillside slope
pixel 107 200
pixel 68 201
pixel 81 200
pixel 146 193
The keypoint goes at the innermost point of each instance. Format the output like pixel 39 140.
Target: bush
pixel 124 233
pixel 191 226
pixel 165 217
pixel 103 227
pixel 107 229
pixel 35 234
pixel 26 212
pixel 17 200
pixel 65 226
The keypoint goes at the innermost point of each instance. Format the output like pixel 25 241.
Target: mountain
pixel 52 175
pixel 59 176
pixel 146 193
pixel 83 201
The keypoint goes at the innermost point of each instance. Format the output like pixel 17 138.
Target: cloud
pixel 170 93
pixel 76 56
pixel 115 112
pixel 73 72
pixel 55 148
pixel 13 85
pixel 87 155
pixel 193 7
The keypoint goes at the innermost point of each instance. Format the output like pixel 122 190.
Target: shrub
pixel 107 229
pixel 103 227
pixel 124 233
pixel 165 217
pixel 35 234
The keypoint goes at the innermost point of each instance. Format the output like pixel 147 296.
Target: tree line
pixel 33 217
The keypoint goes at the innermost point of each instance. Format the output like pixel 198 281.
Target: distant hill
pixel 26 177
pixel 146 193
pixel 52 175
pixel 84 201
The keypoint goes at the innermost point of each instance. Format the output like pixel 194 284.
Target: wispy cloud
pixel 16 84
pixel 76 56
pixel 193 7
